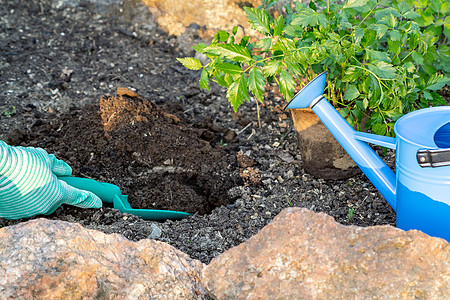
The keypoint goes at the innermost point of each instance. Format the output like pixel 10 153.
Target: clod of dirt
pixel 157 159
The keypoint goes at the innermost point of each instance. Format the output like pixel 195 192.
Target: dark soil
pixel 172 147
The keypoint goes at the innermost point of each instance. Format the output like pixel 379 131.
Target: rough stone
pixel 306 255
pixel 58 260
pixel 176 15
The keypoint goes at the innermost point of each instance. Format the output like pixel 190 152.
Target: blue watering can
pixel 419 190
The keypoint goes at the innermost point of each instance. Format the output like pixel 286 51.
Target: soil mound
pixel 157 158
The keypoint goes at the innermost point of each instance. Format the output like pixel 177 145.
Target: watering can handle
pixel 433 158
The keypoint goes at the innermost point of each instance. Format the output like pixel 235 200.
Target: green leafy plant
pixel 383 58
pixel 10 112
pixel 350 214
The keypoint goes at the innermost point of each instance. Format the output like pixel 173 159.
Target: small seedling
pixel 10 112
pixel 350 213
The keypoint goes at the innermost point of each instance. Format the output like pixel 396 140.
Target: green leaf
pixel 414 40
pixel 382 69
pixel 351 92
pixel 369 37
pixel 359 34
pixel 287 84
pixel 378 55
pixel 352 74
pixel 417 57
pixel 395 35
pixel 354 3
pixel 394 47
pixel 231 51
pixel 237 92
pixel 271 68
pixel 426 18
pixel 229 68
pixel 308 17
pixel 264 44
pixel 293 30
pixel 222 35
pixel 221 79
pixel 278 26
pixel 235 29
pixel 258 19
pixel 190 63
pixel 256 83
pixel 199 47
pixel 437 82
pixel 381 30
pixel 204 80
pixel 379 129
pixel 409 66
pixel 447 27
pixel 411 15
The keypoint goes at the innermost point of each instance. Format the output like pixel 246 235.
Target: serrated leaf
pixel 352 74
pixel 278 26
pixel 293 30
pixel 426 18
pixel 351 92
pixel 381 30
pixel 221 79
pixel 258 19
pixel 383 69
pixel 409 66
pixel 411 15
pixel 204 80
pixel 427 95
pixel 355 3
pixel 437 82
pixel 308 17
pixel 294 67
pixel 190 63
pixel 199 47
pixel 447 27
pixel 231 51
pixel 271 68
pixel 394 47
pixel 386 12
pixel 359 34
pixel 378 55
pixel 395 35
pixel 417 57
pixel 264 44
pixel 229 68
pixel 237 92
pixel 256 83
pixel 369 37
pixel 414 40
pixel 286 84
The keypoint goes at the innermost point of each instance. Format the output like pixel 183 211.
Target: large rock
pixel 175 15
pixel 303 255
pixel 58 260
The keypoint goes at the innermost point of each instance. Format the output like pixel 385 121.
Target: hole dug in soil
pixel 159 159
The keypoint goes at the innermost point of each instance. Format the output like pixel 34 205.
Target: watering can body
pixel 419 190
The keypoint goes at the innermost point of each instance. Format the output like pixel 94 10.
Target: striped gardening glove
pixel 29 186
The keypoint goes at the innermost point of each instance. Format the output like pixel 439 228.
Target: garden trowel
pixel 110 193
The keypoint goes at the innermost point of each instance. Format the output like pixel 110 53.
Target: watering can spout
pixel 354 143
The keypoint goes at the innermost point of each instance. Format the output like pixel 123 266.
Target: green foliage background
pixel 383 58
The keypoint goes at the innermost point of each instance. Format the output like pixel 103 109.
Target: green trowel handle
pixel 103 190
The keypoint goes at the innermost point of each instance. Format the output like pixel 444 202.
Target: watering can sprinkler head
pixel 310 94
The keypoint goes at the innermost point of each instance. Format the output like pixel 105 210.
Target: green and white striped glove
pixel 29 186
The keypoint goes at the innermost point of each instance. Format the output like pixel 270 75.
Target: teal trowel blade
pixel 110 193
